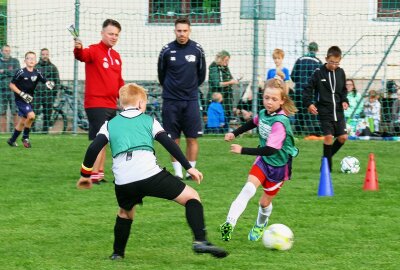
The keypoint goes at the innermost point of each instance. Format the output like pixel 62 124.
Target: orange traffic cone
pixel 371 177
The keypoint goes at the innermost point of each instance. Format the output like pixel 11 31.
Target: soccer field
pixel 46 223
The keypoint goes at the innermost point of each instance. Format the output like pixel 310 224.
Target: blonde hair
pixel 131 94
pixel 216 96
pixel 278 53
pixel 373 93
pixel 277 83
pixel 220 56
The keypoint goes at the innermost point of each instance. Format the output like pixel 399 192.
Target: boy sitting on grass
pixel 131 135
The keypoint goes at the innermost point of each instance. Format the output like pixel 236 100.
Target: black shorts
pixel 162 185
pixel 97 117
pixel 182 116
pixel 335 128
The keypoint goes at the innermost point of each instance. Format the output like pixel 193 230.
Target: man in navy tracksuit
pixel 302 71
pixel 328 85
pixel 181 70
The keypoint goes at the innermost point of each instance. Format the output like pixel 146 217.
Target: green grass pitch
pixel 46 223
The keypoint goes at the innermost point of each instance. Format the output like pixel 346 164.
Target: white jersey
pixel 141 165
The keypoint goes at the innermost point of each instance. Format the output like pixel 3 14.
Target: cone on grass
pixel 371 176
pixel 325 182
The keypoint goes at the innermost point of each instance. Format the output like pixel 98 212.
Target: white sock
pixel 193 164
pixel 177 168
pixel 263 215
pixel 239 204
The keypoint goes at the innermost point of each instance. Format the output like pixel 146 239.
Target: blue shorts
pixel 23 108
pixel 181 116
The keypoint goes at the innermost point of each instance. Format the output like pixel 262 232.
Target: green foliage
pixel 46 223
pixel 3 22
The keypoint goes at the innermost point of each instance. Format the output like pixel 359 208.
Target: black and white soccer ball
pixel 350 164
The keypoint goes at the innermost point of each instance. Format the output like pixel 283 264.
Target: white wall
pixel 36 24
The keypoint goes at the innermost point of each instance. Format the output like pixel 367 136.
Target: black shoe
pixel 12 144
pixel 116 257
pixel 202 247
pixel 189 177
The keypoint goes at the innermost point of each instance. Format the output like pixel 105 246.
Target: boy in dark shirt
pixel 328 85
pixel 23 85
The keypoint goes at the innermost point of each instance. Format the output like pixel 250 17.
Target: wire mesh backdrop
pixel 367 31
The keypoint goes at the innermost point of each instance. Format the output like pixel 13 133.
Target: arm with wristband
pixel 93 150
pixel 238 149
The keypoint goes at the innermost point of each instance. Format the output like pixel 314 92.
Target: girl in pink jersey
pixel 274 157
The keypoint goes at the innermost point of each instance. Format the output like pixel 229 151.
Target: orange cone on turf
pixel 371 177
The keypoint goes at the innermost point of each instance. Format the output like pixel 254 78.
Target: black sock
pixel 336 146
pixel 328 154
pixel 122 230
pixel 15 135
pixel 195 218
pixel 25 135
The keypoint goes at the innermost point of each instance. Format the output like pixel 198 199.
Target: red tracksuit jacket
pixel 103 75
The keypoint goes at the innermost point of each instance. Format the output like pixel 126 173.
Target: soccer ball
pixel 278 236
pixel 350 165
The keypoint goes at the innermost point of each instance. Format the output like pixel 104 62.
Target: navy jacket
pixel 181 70
pixel 302 70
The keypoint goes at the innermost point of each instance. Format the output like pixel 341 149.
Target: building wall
pixel 348 24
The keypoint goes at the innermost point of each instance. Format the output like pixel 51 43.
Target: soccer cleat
pixel 12 144
pixel 188 177
pixel 203 247
pixel 256 232
pixel 26 143
pixel 99 182
pixel 116 257
pixel 226 231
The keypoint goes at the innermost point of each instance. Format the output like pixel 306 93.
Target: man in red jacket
pixel 103 80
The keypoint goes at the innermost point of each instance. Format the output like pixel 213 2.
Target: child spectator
pixel 372 110
pixel 278 55
pixel 216 114
pixel 131 135
pixel 23 85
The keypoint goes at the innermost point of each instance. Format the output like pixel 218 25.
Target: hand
pixel 196 175
pixel 26 97
pixel 233 81
pixel 236 148
pixel 345 105
pixel 84 183
pixel 312 109
pixel 50 84
pixel 229 137
pixel 78 43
